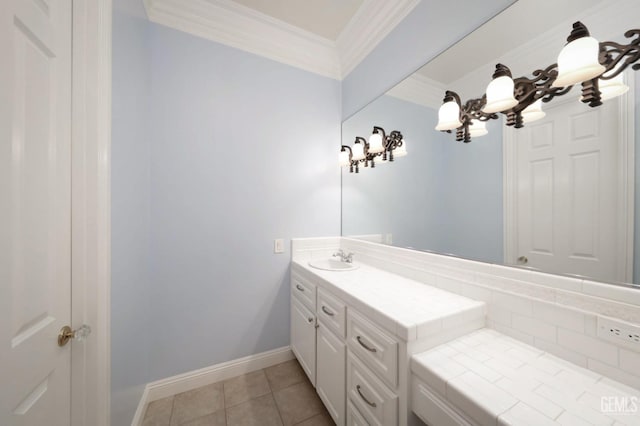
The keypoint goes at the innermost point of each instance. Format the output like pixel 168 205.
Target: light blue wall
pixel 445 196
pixel 428 30
pixel 244 151
pixel 130 208
pixel 216 152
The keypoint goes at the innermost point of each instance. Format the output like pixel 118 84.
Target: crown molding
pixel 235 25
pixel 420 90
pixel 373 21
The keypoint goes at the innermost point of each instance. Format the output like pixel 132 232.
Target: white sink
pixel 332 265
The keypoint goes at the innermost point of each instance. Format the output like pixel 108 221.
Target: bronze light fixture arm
pixel 614 57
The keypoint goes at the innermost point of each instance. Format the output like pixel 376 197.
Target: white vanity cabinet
pixel 330 385
pixel 331 354
pixel 354 334
pixel 303 324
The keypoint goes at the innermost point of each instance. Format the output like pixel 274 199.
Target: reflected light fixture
pixel 477 128
pixel 613 87
pixel 533 112
pixel 381 148
pixel 597 66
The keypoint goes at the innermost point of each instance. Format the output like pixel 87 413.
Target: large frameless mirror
pixel 557 195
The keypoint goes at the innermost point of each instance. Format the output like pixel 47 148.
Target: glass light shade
pixel 343 158
pixel 375 143
pixel 533 112
pixel 400 151
pixel 500 95
pixel 578 62
pixel 612 88
pixel 357 151
pixel 477 128
pixel 449 116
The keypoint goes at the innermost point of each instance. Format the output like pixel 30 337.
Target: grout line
pixel 173 403
pixel 277 408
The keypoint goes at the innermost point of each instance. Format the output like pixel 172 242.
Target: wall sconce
pixel 596 65
pixel 380 149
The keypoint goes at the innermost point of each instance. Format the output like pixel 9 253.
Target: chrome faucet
pixel 347 258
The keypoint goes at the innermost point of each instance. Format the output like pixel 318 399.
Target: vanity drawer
pixel 304 289
pixel 377 348
pixel 431 409
pixel 377 404
pixel 332 312
pixel 354 418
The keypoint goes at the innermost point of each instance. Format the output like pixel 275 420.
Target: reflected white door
pixel 35 211
pixel 567 186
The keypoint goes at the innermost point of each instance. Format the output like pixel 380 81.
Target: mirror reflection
pixel 556 195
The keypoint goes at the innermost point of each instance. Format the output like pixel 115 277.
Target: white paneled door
pixel 35 211
pixel 567 187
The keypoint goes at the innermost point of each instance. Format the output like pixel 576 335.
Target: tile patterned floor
pixel 280 396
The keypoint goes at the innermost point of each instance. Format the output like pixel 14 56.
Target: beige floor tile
pixel 219 418
pixel 245 387
pixel 286 374
pixel 297 403
pixel 158 412
pixel 197 403
pixel 323 419
pixel 261 411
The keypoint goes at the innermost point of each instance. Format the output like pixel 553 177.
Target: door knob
pixel 522 260
pixel 66 334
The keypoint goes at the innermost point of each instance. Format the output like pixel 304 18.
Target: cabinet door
pixel 303 337
pixel 331 373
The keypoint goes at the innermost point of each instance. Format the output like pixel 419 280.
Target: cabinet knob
pixel 310 319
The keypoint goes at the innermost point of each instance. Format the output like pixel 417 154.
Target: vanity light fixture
pixel 596 65
pixel 381 148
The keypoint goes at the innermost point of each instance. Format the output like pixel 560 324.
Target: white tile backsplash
pixel 534 327
pixel 562 315
pixel 556 314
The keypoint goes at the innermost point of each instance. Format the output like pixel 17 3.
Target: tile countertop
pixel 495 379
pixel 410 309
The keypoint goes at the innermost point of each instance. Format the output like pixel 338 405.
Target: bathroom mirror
pixel 557 195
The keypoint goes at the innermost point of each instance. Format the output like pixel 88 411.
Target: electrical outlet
pixel 619 332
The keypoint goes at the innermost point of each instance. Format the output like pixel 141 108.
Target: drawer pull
pixel 326 311
pixel 364 345
pixel 310 319
pixel 372 404
pixel 299 287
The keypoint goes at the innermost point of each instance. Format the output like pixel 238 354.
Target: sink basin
pixel 332 265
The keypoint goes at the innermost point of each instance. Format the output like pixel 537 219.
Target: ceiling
pixel 518 24
pixel 326 18
pixel 326 37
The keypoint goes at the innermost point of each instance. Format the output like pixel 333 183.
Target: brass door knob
pixel 66 334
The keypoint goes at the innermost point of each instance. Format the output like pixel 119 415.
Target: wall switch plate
pixel 619 332
pixel 278 245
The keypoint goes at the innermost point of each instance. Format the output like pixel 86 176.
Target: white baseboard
pixel 194 379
